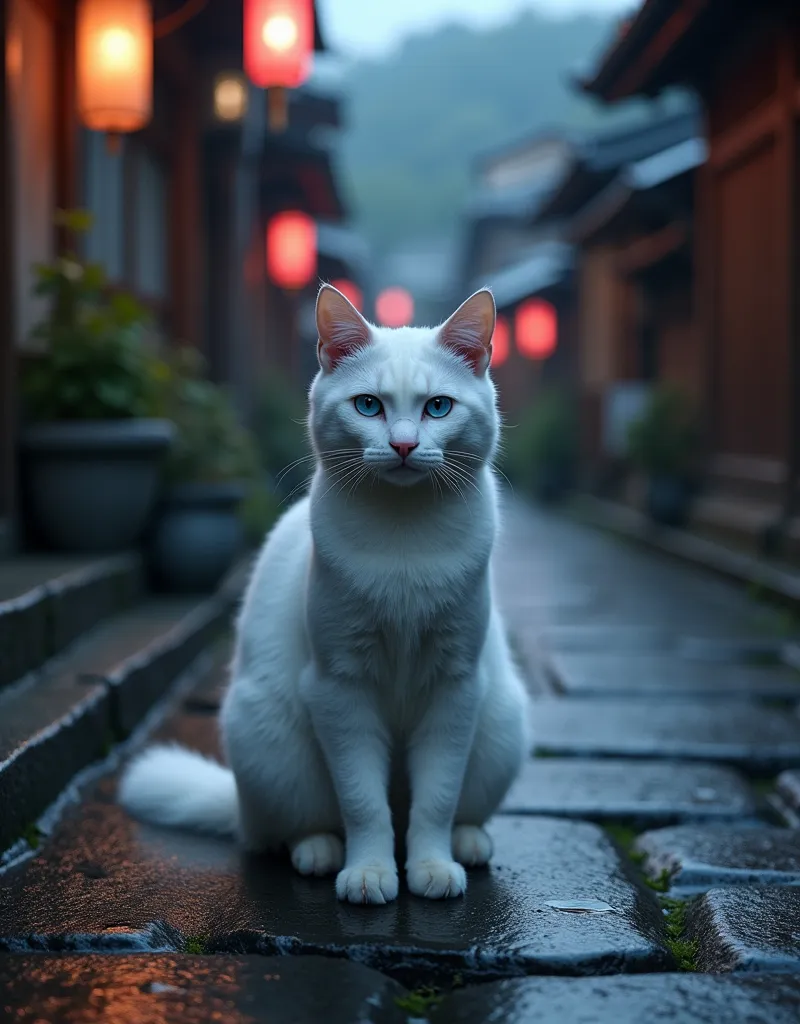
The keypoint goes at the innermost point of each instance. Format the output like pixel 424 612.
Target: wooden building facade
pixel 179 210
pixel 743 60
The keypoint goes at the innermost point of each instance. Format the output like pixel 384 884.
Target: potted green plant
pixel 662 443
pixel 543 449
pixel 91 447
pixel 212 470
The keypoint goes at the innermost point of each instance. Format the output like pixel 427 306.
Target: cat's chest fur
pixel 398 603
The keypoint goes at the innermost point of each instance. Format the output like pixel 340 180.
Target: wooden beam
pixel 748 134
pixel 8 355
pixel 677 25
pixel 650 249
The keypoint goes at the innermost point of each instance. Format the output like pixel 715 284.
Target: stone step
pixel 626 999
pixel 558 898
pixel 638 675
pixel 786 798
pixel 57 723
pixel 696 858
pixel 635 793
pixel 198 989
pixel 47 602
pixel 749 928
pixel 751 736
pixel 194 989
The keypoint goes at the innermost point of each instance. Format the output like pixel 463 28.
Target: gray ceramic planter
pixel 198 536
pixel 93 484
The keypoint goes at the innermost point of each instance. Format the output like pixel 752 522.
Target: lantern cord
pixel 172 22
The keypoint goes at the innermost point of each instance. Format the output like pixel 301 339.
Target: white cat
pixel 371 667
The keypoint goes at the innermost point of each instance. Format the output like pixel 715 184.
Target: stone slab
pixel 196 990
pixel 756 650
pixel 757 738
pixel 48 602
pixel 749 928
pixel 602 637
pixel 698 858
pixel 639 793
pixel 787 797
pixel 610 674
pixel 53 726
pixel 665 998
pixel 103 882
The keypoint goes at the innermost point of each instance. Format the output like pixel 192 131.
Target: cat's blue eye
pixel 438 407
pixel 367 405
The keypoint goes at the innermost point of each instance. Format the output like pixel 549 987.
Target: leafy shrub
pixel 663 440
pixel 542 449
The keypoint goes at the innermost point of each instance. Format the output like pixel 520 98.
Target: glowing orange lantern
pixel 278 47
pixel 394 307
pixel 536 328
pixel 350 291
pixel 114 64
pixel 291 249
pixel 500 341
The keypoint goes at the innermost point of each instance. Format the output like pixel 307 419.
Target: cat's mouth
pixel 404 475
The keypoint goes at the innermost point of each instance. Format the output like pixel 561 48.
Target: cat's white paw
pixel 436 879
pixel 472 846
pixel 318 855
pixel 368 883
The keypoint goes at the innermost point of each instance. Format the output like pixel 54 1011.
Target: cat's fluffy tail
pixel 169 785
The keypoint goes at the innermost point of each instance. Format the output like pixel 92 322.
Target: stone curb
pixel 96 711
pixel 772 581
pixel 39 624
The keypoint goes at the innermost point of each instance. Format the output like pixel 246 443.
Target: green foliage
pixel 32 835
pixel 211 445
pixel 279 426
pixel 664 439
pixel 195 945
pixel 420 1001
pixel 684 950
pixel 418 117
pixel 95 363
pixel 258 513
pixel 544 441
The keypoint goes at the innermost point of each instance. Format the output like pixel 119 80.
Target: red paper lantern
pixel 536 328
pixel 278 42
pixel 500 341
pixel 291 249
pixel 394 307
pixel 350 291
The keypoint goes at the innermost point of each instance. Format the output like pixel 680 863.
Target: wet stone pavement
pixel 646 868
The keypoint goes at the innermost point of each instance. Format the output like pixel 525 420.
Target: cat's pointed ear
pixel 468 332
pixel 341 329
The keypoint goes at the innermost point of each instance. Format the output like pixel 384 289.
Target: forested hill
pixel 416 119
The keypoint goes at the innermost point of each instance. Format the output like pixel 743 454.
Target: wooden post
pixel 8 360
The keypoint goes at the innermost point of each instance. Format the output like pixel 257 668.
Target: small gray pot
pixel 93 484
pixel 198 536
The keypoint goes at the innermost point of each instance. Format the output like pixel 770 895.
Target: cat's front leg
pixel 437 761
pixel 356 746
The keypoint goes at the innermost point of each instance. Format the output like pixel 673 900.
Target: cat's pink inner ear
pixel 340 327
pixel 468 332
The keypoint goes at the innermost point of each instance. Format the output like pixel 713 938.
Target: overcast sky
pixel 370 27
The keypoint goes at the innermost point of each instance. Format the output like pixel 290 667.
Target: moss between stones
pixel 684 950
pixel 32 835
pixel 195 945
pixel 419 1001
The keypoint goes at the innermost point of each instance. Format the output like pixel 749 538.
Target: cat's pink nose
pixel 403 448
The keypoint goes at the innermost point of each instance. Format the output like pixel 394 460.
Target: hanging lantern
pixel 500 341
pixel 278 47
pixel 230 97
pixel 394 307
pixel 536 328
pixel 114 64
pixel 350 291
pixel 291 249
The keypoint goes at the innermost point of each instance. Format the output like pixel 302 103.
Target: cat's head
pixel 404 404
